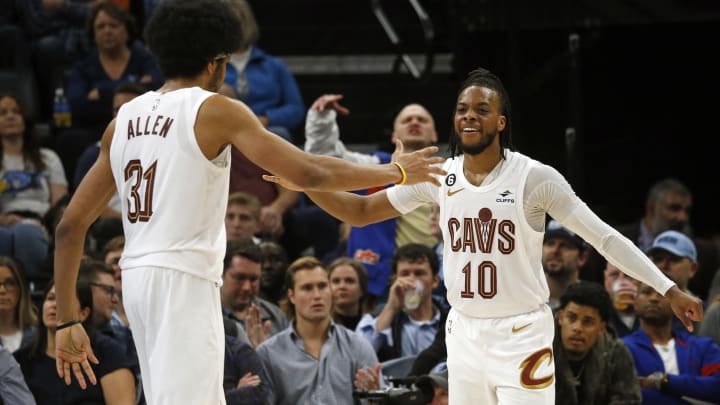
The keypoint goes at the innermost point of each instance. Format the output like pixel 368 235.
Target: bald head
pixel 415 127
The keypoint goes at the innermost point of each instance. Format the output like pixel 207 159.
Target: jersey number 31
pixel 140 200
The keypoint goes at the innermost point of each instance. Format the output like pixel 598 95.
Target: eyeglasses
pixel 109 290
pixel 10 285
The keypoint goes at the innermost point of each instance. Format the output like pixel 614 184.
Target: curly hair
pixel 184 35
pixel 484 78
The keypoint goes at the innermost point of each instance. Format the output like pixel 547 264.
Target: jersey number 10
pixel 140 200
pixel 487 280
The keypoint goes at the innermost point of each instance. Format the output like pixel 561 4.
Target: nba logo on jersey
pixel 155 104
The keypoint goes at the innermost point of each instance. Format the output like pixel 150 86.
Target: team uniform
pixel 173 219
pixel 500 330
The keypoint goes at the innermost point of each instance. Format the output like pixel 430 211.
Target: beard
pixel 477 147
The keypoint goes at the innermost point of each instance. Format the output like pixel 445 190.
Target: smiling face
pixel 12 122
pixel 580 326
pixel 477 119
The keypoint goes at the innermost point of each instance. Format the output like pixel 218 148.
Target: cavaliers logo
pixel 531 364
pixel 450 179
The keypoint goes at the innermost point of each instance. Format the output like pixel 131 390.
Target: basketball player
pixel 167 154
pixel 493 204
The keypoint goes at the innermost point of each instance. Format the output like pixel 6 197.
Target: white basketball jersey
pixel 492 257
pixel 173 198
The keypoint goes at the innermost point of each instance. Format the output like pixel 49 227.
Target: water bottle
pixel 61 110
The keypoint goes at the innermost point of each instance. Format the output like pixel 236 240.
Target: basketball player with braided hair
pixel 167 154
pixel 493 203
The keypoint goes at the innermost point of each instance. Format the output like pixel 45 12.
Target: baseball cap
pixel 555 230
pixel 675 243
pixel 424 382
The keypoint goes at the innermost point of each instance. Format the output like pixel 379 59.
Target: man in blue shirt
pixel 672 365
pixel 405 328
pixel 315 361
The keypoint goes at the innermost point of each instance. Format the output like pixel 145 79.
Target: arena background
pixel 637 80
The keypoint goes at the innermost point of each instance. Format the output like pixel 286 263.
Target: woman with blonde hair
pixel 18 318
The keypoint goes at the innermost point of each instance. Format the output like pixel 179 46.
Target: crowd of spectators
pixel 314 309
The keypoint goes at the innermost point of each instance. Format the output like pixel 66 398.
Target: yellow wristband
pixel 402 171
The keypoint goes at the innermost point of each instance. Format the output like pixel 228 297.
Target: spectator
pixel 675 254
pixel 710 325
pixel 623 290
pixel 117 58
pixel 18 319
pixel 239 293
pixel 348 284
pixel 31 180
pixel 313 361
pixel 374 244
pixel 13 389
pixel 123 93
pixel 244 379
pixel 668 207
pixel 435 386
pixel 272 271
pixel 57 38
pixel 404 327
pixel 591 365
pixel 242 217
pixel 262 81
pixel 563 254
pixel 116 382
pixel 111 253
pixel 674 367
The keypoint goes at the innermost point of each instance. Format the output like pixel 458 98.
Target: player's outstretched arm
pixel 226 121
pixel 73 351
pixel 685 306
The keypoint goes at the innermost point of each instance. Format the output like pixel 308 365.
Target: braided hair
pixel 484 78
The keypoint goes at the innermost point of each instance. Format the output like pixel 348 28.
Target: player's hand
pixel 420 165
pixel 685 306
pixel 72 352
pixel 368 378
pixel 329 101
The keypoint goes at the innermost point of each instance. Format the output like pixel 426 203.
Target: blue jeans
pixel 26 243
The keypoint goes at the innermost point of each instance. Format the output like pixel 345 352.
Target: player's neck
pixel 477 167
pixel 181 83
